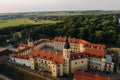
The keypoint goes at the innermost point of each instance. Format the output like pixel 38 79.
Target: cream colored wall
pixel 48 66
pixel 103 61
pixel 20 48
pixel 66 53
pixel 78 64
pixel 54 70
pixel 60 67
pixel 58 45
pixel 110 67
pixel 21 61
pixel 44 63
pixel 74 47
pixel 30 44
pixel 66 67
pixel 32 63
pixel 97 63
pixel 82 49
pixel 26 52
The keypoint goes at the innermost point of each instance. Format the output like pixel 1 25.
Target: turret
pixel 66 55
pixel 66 49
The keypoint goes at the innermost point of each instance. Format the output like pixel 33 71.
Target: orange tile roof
pixel 83 42
pixel 74 56
pixel 24 49
pixel 71 40
pixel 51 56
pixel 62 39
pixel 19 56
pixel 95 52
pixel 78 75
pixel 95 45
pixel 74 40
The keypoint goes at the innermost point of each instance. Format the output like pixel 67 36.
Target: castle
pixel 63 56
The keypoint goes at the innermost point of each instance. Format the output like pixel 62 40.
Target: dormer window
pixel 97 47
pixel 91 46
pixel 50 58
pixel 44 56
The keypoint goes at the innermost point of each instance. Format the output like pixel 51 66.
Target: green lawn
pixel 23 21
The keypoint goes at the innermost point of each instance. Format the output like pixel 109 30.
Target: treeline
pixel 38 18
pixel 94 28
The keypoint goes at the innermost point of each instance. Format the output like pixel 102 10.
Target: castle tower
pixel 30 42
pixel 66 55
pixel 66 49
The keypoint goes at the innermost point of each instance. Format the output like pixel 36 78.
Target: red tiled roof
pixel 95 46
pixel 19 56
pixel 74 40
pixel 83 42
pixel 95 52
pixel 71 40
pixel 78 75
pixel 74 56
pixel 60 39
pixel 24 49
pixel 57 58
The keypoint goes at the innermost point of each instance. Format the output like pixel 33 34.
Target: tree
pixel 118 40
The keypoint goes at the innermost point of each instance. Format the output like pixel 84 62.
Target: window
pixel 39 63
pixel 75 62
pixel 48 62
pixel 45 62
pixel 58 70
pixel 81 61
pixel 58 65
pixel 53 70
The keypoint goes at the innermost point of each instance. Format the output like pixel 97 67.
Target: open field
pixel 114 48
pixel 23 21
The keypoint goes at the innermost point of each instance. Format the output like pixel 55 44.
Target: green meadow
pixel 23 21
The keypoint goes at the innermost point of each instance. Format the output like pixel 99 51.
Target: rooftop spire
pixel 67 45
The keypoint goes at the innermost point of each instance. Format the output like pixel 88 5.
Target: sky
pixel 10 6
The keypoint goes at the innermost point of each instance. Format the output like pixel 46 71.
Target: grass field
pixel 23 21
pixel 114 48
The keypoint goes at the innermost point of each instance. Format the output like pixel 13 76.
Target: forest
pixel 102 28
